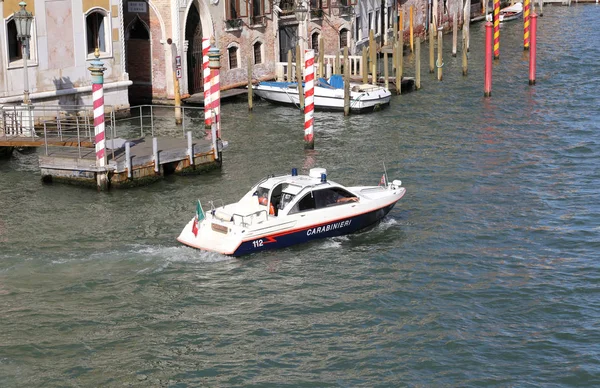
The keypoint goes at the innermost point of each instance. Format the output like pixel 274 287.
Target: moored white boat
pixel 509 13
pixel 329 95
pixel 280 211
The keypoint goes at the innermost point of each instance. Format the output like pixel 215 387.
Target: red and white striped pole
pixel 526 5
pixel 309 99
pixel 214 63
pixel 97 70
pixel 532 49
pixel 487 84
pixel 496 29
pixel 206 82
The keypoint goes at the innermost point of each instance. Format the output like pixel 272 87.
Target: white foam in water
pixel 180 254
pixel 334 242
pixel 386 223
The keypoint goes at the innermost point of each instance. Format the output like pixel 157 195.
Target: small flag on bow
pixel 382 181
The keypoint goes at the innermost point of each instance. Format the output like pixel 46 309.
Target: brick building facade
pixel 139 41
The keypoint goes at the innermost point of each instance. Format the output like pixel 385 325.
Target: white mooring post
pixel 128 160
pixel 155 154
pixel 213 130
pixel 190 149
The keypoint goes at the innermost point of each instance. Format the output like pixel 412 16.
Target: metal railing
pixel 356 66
pixel 75 124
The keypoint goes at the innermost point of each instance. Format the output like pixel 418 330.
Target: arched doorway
pixel 139 61
pixel 193 34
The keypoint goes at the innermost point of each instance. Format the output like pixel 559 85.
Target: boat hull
pixel 332 228
pixel 326 99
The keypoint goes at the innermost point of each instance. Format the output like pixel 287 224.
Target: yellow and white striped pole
pixel 496 29
pixel 526 11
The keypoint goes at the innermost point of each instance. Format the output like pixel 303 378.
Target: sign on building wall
pixel 137 7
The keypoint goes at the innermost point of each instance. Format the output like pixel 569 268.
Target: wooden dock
pixel 198 98
pixel 67 151
pixel 77 165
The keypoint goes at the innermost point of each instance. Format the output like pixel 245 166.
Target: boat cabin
pixel 291 194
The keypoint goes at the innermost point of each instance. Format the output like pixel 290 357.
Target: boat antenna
pixel 385 173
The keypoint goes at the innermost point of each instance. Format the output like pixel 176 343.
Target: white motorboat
pixel 509 13
pixel 328 94
pixel 280 211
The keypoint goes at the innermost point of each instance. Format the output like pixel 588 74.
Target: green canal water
pixel 487 273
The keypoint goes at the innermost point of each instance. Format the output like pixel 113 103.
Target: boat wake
pixel 180 254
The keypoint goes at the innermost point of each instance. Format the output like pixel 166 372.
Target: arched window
pixel 344 37
pixel 97 29
pixel 257 53
pixel 232 53
pixel 314 41
pixel 13 46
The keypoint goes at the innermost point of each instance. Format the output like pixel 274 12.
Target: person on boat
pixel 347 199
pixel 263 200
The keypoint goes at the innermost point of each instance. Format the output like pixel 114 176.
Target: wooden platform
pixel 198 98
pixel 78 164
pixel 17 141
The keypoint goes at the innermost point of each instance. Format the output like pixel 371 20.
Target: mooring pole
pixel 385 70
pixel 431 49
pixel 418 64
pixel 496 29
pixel 289 66
pixel 250 91
pixel 299 77
pixel 128 160
pixel 454 33
pixel 206 83
pixel 464 55
pixel 155 155
pixel 373 55
pixel 347 82
pixel 213 132
pixel 190 147
pixel 321 58
pixel 411 28
pixel 440 60
pixel 532 49
pixel 365 65
pixel 309 99
pixel 487 85
pixel 97 69
pixel 526 12
pixel 214 63
pixel 176 89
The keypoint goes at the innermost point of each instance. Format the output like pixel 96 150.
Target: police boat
pixel 280 211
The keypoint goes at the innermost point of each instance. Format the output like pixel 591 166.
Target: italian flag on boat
pixel 199 217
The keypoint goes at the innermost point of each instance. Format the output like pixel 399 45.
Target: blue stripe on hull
pixel 332 229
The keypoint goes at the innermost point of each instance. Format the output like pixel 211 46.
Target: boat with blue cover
pixel 329 94
pixel 285 210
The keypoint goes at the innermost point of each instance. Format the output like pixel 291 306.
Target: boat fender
pixel 221 215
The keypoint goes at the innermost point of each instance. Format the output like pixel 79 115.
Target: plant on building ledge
pixel 346 10
pixel 316 13
pixel 257 20
pixel 233 24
